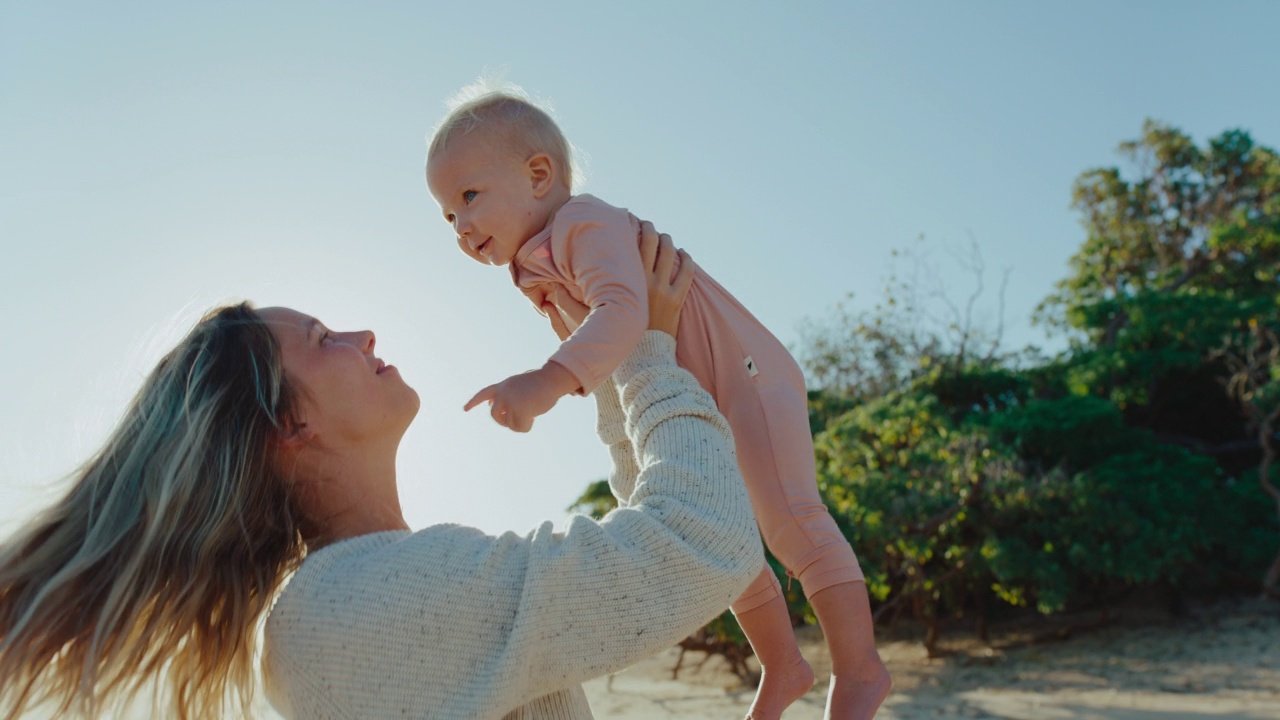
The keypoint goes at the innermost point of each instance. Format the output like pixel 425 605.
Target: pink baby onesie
pixel 591 249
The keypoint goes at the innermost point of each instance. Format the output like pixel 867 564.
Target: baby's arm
pixel 595 246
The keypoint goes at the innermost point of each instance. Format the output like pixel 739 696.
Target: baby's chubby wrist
pixel 558 379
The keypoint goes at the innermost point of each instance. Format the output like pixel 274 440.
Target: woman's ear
pixel 542 174
pixel 293 435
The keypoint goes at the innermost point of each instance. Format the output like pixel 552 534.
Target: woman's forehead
pixel 287 322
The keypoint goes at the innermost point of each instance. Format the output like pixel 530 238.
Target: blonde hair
pixel 171 543
pixel 510 121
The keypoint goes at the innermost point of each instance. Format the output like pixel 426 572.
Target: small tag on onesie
pixel 751 366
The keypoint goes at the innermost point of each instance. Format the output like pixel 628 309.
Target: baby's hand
pixel 516 401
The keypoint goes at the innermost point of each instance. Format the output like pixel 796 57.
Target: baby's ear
pixel 542 174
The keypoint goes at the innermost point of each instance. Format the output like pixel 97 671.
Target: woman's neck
pixel 357 500
pixel 345 527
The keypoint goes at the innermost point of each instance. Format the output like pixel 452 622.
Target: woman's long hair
pixel 158 564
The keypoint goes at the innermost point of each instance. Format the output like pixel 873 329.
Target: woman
pixel 264 439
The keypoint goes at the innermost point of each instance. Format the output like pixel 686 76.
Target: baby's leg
pixel 775 450
pixel 859 681
pixel 784 674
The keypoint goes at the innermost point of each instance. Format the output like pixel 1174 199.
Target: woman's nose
pixel 363 340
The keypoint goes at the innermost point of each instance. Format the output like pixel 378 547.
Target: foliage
pixel 596 501
pixel 1105 506
pixel 965 474
pixel 1174 260
pixel 1194 218
pixel 1122 462
pixel 1036 503
pixel 912 331
pixel 1253 358
pixel 906 484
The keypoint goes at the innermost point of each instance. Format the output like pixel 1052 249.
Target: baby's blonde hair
pixel 509 120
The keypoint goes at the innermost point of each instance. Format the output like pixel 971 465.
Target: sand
pixel 1215 661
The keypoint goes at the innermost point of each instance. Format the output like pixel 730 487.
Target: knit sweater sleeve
pixel 602 595
pixel 450 622
pixel 611 427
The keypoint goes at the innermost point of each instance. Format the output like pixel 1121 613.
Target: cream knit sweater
pixel 449 622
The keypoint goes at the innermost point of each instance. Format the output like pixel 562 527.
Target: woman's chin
pixel 411 412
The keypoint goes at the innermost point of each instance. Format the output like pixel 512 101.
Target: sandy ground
pixel 1216 661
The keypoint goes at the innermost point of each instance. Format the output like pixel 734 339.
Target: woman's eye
pixel 324 337
pixel 469 195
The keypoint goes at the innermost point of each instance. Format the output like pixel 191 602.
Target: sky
pixel 157 159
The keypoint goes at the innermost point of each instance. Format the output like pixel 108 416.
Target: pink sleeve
pixel 595 246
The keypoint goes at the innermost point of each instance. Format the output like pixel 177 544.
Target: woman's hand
pixel 565 313
pixel 666 293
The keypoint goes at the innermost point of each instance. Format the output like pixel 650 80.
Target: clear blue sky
pixel 156 159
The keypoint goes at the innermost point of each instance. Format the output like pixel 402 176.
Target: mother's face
pixel 347 397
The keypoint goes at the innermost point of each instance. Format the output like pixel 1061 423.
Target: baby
pixel 499 168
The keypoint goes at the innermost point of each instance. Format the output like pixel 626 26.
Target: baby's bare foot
pixel 779 687
pixel 855 698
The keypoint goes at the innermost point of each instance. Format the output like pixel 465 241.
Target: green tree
pixel 1175 294
pixel 1174 260
pixel 1254 360
pixel 1203 218
pixel 1047 482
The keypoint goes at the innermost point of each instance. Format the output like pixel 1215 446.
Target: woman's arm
pixel 600 596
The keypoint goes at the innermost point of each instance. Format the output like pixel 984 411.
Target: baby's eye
pixel 468 196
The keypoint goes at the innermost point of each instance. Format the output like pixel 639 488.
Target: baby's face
pixel 488 197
